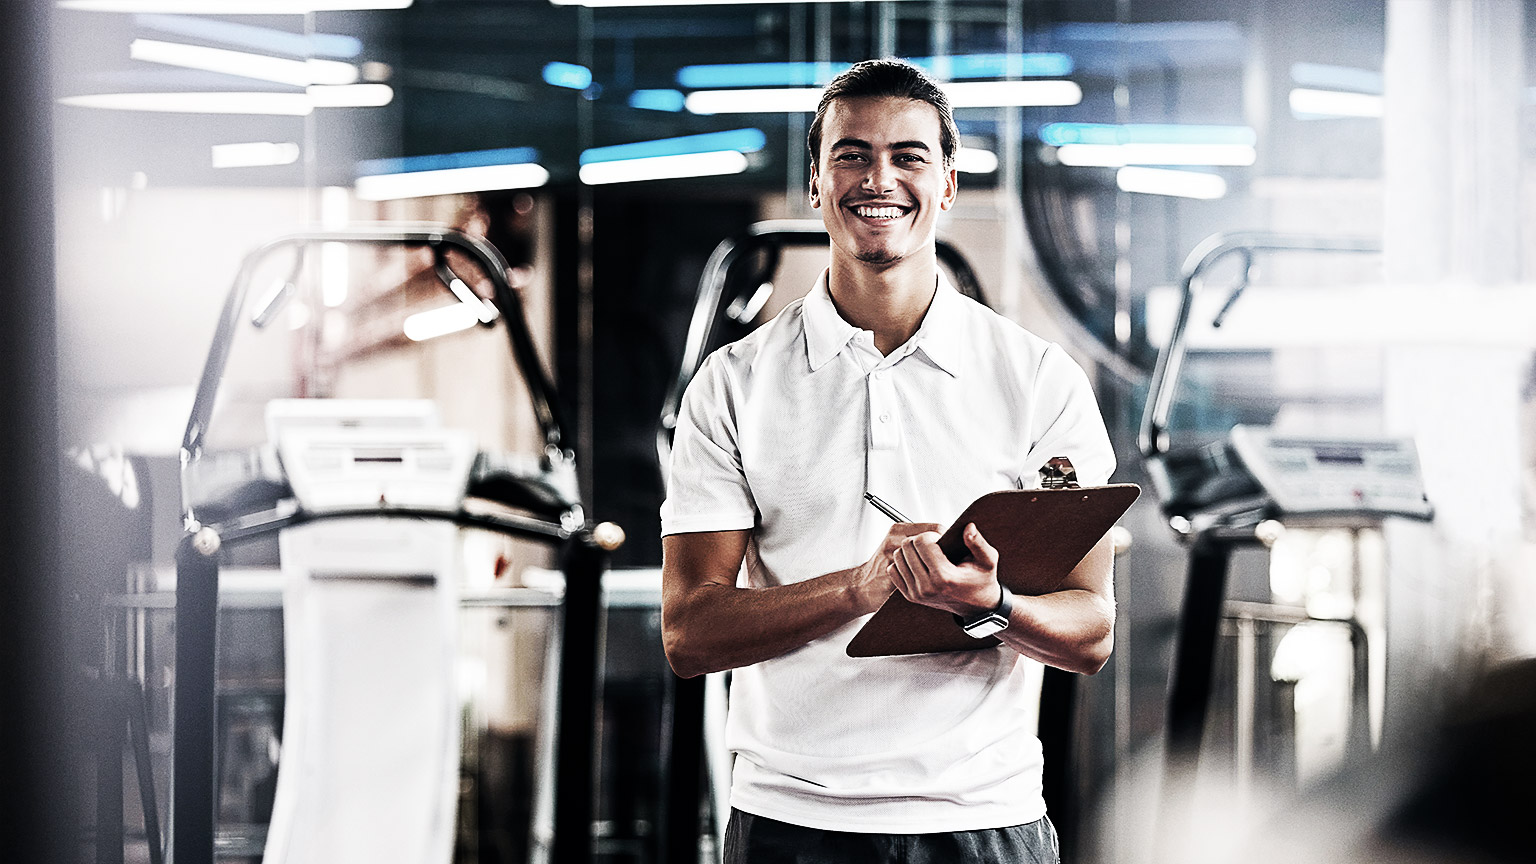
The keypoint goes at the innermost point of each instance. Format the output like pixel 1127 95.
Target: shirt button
pixel 885 418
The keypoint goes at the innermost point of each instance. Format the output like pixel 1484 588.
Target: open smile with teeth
pixel 881 213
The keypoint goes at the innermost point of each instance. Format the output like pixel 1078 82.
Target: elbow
pixel 1093 653
pixel 682 655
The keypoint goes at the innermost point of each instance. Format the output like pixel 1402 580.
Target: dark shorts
pixel 756 840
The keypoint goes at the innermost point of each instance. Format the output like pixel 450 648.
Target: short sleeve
pixel 1066 421
pixel 706 487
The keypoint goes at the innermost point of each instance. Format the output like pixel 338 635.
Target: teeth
pixel 878 212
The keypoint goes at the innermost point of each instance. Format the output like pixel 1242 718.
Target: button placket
pixel 884 427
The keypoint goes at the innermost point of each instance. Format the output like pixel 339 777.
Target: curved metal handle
pixel 1153 438
pixel 439 238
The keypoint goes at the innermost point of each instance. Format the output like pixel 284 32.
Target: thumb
pixel 982 551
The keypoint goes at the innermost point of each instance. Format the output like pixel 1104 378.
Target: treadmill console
pixel 1315 475
pixel 342 453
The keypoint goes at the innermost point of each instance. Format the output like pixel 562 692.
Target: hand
pixel 924 575
pixel 872 584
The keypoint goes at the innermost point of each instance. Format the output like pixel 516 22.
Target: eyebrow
pixel 865 145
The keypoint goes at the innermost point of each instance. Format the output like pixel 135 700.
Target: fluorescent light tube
pixel 233 102
pixel 232 7
pixel 610 3
pixel 1117 155
pixel 292 104
pixel 1162 181
pixel 350 95
pixel 1012 94
pixel 1306 102
pixel 1061 134
pixel 664 167
pixel 965 94
pixel 299 73
pixel 768 101
pixel 335 273
pixel 740 140
pixel 450 181
pixel 439 322
pixel 969 160
pixel 481 308
pixel 267 40
pixel 254 154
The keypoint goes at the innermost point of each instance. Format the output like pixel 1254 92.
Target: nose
pixel 881 176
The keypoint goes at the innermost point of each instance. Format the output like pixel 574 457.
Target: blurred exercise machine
pixel 1244 491
pixel 736 285
pixel 365 498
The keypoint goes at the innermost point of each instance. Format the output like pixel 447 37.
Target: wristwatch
pixel 991 622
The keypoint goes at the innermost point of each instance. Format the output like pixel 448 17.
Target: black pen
pixel 885 508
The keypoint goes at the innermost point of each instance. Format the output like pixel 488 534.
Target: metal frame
pixel 583 558
pixel 1204 603
pixel 1153 439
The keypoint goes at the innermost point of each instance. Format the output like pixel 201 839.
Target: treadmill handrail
pixel 706 308
pixel 437 236
pixel 1153 438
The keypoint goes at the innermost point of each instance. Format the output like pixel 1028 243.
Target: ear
pixel 815 187
pixel 951 189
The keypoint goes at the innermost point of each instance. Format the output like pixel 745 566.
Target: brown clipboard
pixel 1040 535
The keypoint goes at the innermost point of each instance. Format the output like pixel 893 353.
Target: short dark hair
pixel 887 78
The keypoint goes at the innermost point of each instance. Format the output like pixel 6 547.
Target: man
pixel 883 379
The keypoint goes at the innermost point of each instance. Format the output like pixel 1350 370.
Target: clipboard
pixel 1040 535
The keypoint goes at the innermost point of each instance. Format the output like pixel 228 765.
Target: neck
pixel 890 301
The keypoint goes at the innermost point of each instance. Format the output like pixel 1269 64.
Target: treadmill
pixel 1242 491
pixel 337 465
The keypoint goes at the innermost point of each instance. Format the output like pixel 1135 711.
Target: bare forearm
pixel 714 627
pixel 1071 630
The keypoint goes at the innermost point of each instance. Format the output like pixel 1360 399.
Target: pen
pixel 885 508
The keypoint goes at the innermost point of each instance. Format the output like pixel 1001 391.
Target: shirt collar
pixel 938 337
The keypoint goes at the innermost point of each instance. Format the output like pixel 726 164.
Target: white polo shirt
pixel 782 433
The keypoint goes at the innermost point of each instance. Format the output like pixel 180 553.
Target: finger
pixel 909 529
pixel 986 556
pixel 911 558
pixel 902 579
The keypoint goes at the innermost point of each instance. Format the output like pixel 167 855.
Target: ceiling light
pixel 1060 134
pixel 299 73
pixel 350 95
pixel 567 75
pixel 265 39
pixel 1317 104
pixel 292 104
pixel 1162 181
pixel 740 140
pixel 1328 77
pixel 1012 94
pixel 1117 155
pixel 664 167
pixel 233 7
pixel 450 181
pixel 254 154
pixel 776 101
pixel 596 3
pixel 969 160
pixel 439 322
pixel 657 100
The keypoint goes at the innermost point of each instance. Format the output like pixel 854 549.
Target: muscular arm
pixel 1071 628
pixel 709 625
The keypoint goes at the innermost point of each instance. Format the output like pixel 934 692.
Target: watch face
pixel 988 626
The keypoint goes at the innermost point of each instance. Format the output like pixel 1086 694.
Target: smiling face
pixel 880 180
